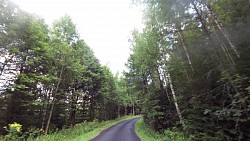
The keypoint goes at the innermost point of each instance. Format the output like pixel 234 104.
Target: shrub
pixel 14 132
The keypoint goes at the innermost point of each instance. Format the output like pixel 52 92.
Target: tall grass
pixel 147 134
pixel 81 132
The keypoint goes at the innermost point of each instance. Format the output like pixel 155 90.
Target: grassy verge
pixel 81 132
pixel 147 134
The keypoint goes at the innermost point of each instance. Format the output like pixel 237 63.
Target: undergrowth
pixel 147 134
pixel 81 132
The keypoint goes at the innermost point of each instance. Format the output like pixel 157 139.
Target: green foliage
pixel 82 131
pixel 147 134
pixel 231 12
pixel 53 79
pixel 190 49
pixel 33 132
pixel 14 132
pixel 189 65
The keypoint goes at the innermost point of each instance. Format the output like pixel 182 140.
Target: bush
pixel 148 134
pixel 14 132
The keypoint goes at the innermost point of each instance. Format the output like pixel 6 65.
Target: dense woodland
pixel 50 78
pixel 190 67
pixel 189 70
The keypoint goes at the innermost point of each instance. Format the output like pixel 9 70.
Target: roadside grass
pixel 147 134
pixel 81 132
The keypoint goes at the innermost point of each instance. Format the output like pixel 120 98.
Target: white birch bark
pixel 222 30
pixel 175 101
pixel 185 49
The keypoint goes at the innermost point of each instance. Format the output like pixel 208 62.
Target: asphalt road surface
pixel 123 131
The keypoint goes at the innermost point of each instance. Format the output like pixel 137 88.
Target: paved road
pixel 123 131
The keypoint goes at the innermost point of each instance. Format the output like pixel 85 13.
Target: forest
pixel 50 78
pixel 190 67
pixel 188 71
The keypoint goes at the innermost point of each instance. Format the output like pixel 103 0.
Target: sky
pixel 105 25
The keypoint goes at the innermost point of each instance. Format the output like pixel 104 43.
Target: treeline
pixel 189 67
pixel 50 78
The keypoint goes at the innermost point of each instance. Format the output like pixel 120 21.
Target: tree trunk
pixel 162 82
pixel 166 88
pixel 47 96
pixel 224 68
pixel 54 100
pixel 50 115
pixel 126 111
pixel 91 112
pixel 184 44
pixel 204 28
pixel 118 111
pixel 222 30
pixel 133 108
pixel 225 50
pixel 73 110
pixel 209 37
pixel 83 106
pixel 159 78
pixel 175 102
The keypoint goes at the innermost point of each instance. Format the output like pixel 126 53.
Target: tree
pixel 52 77
pixel 198 45
pixel 29 60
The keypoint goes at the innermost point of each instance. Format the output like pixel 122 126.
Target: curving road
pixel 123 131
